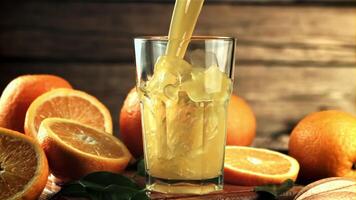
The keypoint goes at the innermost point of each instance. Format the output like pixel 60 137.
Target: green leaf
pixel 104 179
pixel 103 186
pixel 275 190
pixel 142 195
pixel 121 192
pixel 73 189
pixel 91 185
pixel 141 168
pixel 95 196
pixel 121 189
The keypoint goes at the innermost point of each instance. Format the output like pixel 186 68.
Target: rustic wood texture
pixel 291 60
pixel 268 35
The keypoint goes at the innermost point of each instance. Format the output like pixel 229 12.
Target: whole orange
pixel 19 94
pixel 241 123
pixel 130 124
pixel 324 143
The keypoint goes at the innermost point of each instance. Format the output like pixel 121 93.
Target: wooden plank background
pixel 291 59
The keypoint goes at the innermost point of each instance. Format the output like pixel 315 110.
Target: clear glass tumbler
pixel 184 110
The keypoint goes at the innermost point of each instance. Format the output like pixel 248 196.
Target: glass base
pixel 184 186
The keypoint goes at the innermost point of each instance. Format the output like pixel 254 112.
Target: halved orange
pixel 74 149
pixel 69 104
pixel 23 166
pixel 255 166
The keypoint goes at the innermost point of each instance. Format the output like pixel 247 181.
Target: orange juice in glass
pixel 184 84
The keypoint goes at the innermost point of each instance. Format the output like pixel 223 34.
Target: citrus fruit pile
pixel 67 132
pixel 323 144
pixel 19 94
pixel 68 104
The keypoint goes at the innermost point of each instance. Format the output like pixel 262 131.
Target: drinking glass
pixel 184 111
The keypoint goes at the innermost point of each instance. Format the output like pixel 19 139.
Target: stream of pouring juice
pixel 184 108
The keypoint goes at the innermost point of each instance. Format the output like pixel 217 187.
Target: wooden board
pixel 230 192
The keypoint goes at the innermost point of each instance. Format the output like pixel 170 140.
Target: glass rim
pixel 193 38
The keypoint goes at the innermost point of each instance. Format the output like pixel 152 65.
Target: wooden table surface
pixel 230 192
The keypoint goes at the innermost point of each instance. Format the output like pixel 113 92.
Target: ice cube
pixel 195 87
pixel 169 85
pixel 202 59
pixel 169 73
pixel 226 89
pixel 213 79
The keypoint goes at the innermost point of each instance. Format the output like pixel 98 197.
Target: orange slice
pixel 254 166
pixel 74 150
pixel 68 104
pixel 23 166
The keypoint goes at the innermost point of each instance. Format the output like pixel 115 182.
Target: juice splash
pixel 184 107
